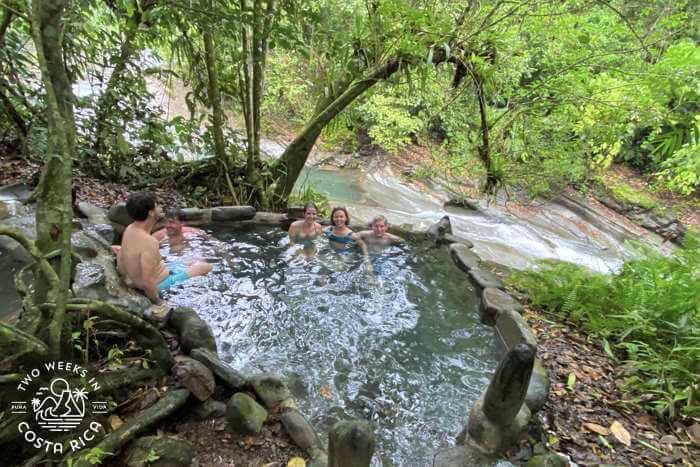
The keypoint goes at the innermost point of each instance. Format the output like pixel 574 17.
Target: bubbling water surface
pixel 401 346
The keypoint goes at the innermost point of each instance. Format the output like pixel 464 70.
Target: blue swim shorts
pixel 178 274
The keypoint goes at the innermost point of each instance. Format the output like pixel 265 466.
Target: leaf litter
pixel 589 417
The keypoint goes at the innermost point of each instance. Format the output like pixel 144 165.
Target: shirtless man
pixel 139 260
pixel 176 233
pixel 378 237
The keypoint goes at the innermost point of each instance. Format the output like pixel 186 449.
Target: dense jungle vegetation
pixel 648 315
pixel 531 94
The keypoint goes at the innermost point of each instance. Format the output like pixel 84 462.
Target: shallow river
pixel 401 347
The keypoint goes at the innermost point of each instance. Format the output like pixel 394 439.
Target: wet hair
pixel 139 204
pixel 174 213
pixel 380 218
pixel 340 208
pixel 310 205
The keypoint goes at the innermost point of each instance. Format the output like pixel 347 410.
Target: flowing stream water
pixel 564 229
pixel 401 347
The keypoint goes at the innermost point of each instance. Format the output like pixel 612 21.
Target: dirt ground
pixel 589 417
pixel 217 446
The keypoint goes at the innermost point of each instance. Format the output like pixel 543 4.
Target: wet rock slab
pixel 464 258
pixel 494 302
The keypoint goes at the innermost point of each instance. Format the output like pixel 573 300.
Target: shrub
pixel 649 311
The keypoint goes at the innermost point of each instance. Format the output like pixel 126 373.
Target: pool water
pixel 401 347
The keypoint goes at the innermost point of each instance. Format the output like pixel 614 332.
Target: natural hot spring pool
pixel 404 349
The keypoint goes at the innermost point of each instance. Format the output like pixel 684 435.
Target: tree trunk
pixel 54 211
pixel 291 162
pixel 214 96
pixel 108 99
pixel 484 148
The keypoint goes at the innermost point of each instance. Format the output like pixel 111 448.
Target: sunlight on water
pixel 402 348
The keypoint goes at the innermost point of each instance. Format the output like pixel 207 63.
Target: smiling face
pixel 379 227
pixel 310 215
pixel 339 218
pixel 173 227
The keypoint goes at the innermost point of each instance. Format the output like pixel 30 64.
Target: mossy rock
pixel 244 415
pixel 159 451
pixel 547 460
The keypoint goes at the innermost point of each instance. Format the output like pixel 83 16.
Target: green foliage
pixel 306 194
pixel 115 356
pixel 152 456
pixel 389 120
pixel 650 311
pixel 681 164
pixel 94 456
pixel 626 193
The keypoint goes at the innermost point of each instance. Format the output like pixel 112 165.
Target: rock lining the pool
pixel 520 385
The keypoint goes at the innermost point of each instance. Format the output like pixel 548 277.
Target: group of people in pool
pixel 141 265
pixel 340 236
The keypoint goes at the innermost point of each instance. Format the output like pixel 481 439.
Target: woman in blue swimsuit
pixel 340 236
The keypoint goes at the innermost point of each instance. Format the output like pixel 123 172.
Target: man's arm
pixel 292 233
pixel 394 238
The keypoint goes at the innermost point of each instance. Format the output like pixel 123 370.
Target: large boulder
pixel 208 410
pixel 438 230
pixel 538 390
pixel 484 279
pixel 119 215
pixel 94 214
pixel 159 451
pixel 500 416
pixel 244 415
pixel 300 430
pixel 96 277
pixel 19 192
pixel 514 330
pixel 270 389
pixel 193 331
pixel 194 376
pixel 463 257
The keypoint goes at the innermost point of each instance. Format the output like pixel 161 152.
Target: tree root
pixel 15 343
pixel 115 379
pixel 11 378
pixel 113 442
pixel 147 335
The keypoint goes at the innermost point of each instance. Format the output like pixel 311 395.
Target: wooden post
pixel 350 444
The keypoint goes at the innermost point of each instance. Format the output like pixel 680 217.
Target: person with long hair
pixel 306 230
pixel 340 236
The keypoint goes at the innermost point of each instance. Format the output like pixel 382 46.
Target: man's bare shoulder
pixel 135 235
